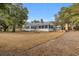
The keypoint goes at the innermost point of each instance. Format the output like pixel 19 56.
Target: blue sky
pixel 45 11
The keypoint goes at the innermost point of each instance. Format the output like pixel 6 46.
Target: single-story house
pixel 45 26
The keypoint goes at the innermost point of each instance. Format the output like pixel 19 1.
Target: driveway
pixel 66 45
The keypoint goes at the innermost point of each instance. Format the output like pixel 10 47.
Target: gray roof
pixel 44 23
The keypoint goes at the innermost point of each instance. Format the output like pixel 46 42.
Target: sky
pixel 45 11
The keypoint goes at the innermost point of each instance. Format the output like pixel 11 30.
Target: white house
pixel 45 26
pixel 41 26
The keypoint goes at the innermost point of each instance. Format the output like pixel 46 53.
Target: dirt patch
pixel 66 45
pixel 20 42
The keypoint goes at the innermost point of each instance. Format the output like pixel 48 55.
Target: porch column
pixel 48 26
pixel 29 27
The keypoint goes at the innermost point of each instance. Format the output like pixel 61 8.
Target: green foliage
pixel 69 15
pixel 13 14
pixel 36 21
pixel 42 20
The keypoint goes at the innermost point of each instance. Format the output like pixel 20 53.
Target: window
pixel 33 27
pixel 46 26
pixel 42 26
pixel 50 26
pixel 27 27
pixel 39 26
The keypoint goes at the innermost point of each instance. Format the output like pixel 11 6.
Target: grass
pixel 18 42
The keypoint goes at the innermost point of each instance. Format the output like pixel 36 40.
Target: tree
pixel 4 16
pixel 42 21
pixel 69 15
pixel 35 21
pixel 12 15
pixel 20 15
pixel 63 16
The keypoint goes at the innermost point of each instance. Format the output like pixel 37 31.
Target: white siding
pixel 31 25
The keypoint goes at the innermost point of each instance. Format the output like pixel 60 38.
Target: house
pixel 41 26
pixel 44 26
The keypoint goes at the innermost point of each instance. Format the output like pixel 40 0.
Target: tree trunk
pixel 14 27
pixel 72 28
pixel 5 28
pixel 21 28
pixel 66 27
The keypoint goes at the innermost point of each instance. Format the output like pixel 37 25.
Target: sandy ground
pixel 25 43
pixel 66 45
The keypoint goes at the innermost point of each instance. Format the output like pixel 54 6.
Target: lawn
pixel 16 43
